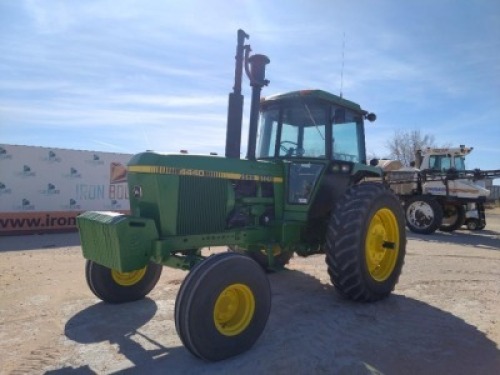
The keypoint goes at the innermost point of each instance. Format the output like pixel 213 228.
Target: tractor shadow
pixel 311 329
pixel 311 325
pixel 118 325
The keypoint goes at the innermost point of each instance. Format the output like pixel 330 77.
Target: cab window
pixel 345 142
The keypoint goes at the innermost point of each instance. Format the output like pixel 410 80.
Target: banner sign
pixel 44 189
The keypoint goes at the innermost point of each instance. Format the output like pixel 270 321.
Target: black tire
pixel 366 243
pixel 119 287
pixel 222 282
pixel 281 258
pixel 474 224
pixel 423 214
pixel 88 264
pixel 453 217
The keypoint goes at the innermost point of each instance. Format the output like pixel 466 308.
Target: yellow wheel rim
pixel 234 309
pixel 128 278
pixel 382 245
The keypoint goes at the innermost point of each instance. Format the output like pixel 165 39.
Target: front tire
pixel 423 214
pixel 118 287
pixel 222 306
pixel 366 242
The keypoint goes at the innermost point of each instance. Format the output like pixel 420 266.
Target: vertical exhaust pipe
pixel 235 106
pixel 255 69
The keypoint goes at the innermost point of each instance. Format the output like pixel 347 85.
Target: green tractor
pixel 304 188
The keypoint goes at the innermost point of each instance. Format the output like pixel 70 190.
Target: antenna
pixel 342 69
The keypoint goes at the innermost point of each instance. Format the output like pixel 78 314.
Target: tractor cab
pixel 311 124
pixel 314 134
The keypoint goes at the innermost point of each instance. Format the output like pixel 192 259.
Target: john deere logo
pixel 51 190
pixel 52 157
pixel 96 160
pixel 25 205
pixel 4 154
pixel 114 205
pixel 4 189
pixel 26 172
pixel 73 205
pixel 73 173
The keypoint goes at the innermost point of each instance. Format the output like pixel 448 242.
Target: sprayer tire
pixel 453 217
pixel 222 306
pixel 423 214
pixel 120 287
pixel 365 243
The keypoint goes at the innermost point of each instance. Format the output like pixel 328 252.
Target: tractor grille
pixel 202 205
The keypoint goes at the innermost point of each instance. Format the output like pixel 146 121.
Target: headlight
pixel 341 168
pixel 137 191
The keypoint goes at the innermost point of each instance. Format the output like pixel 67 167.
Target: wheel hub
pixel 234 309
pixel 382 244
pixel 128 278
pixel 420 214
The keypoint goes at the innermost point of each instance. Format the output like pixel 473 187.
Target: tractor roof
pixel 314 94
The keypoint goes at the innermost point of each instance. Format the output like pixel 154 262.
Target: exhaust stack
pixel 235 106
pixel 255 69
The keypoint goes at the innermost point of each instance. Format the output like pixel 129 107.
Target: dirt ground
pixel 443 318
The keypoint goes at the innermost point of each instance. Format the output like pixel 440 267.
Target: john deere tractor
pixel 302 189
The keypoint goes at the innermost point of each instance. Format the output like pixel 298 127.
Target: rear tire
pixel 453 217
pixel 222 306
pixel 365 243
pixel 118 287
pixel 423 214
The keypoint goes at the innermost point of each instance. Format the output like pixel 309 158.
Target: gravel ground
pixel 443 317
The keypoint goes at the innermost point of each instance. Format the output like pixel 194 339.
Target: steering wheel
pixel 290 151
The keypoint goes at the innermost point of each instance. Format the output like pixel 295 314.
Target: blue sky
pixel 130 75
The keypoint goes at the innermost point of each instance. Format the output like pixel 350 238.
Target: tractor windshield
pixel 299 129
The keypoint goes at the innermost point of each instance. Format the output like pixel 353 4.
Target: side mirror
pixel 371 117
